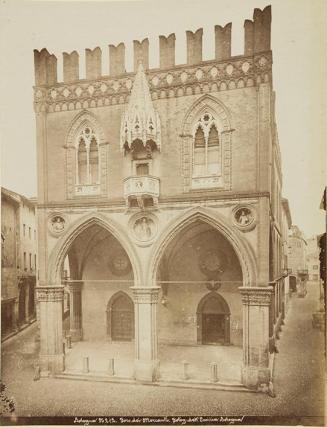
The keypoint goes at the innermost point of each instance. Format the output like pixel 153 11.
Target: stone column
pixel 75 311
pixel 50 300
pixel 256 301
pixel 146 340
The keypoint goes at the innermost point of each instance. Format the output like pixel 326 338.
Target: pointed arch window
pixel 206 147
pixel 87 157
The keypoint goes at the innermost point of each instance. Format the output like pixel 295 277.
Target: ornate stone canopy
pixel 140 121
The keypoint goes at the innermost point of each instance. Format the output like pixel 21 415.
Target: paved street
pixel 298 381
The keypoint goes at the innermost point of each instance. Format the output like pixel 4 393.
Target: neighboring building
pixel 286 227
pixel 162 191
pixel 312 259
pixel 319 318
pixel 18 262
pixel 322 247
pixel 297 250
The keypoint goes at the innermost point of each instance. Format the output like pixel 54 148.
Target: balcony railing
pixel 141 186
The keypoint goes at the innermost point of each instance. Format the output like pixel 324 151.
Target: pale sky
pixel 299 45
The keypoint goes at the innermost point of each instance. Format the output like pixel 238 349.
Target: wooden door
pixel 122 319
pixel 213 326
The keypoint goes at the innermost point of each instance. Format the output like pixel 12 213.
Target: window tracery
pixel 215 134
pixel 206 147
pixel 87 157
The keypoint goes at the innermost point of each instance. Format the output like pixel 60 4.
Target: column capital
pixel 53 293
pixel 75 286
pixel 256 296
pixel 145 294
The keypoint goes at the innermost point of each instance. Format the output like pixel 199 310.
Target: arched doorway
pixel 213 320
pixel 120 318
pixel 293 284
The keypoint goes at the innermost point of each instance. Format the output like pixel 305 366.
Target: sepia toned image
pixel 163 212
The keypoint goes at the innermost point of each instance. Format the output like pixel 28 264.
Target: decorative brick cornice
pixel 207 76
pixel 198 196
pixel 145 294
pixel 50 294
pixel 256 296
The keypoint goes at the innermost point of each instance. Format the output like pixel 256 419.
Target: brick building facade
pixel 286 227
pixel 297 250
pixel 312 259
pixel 18 262
pixel 161 189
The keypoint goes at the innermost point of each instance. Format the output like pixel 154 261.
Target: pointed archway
pixel 199 263
pixel 241 247
pixel 59 252
pixel 102 262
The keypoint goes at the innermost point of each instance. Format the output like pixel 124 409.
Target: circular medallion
pixel 57 224
pixel 120 264
pixel 244 217
pixel 144 228
pixel 213 263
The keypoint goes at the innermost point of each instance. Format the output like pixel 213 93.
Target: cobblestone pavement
pixel 298 381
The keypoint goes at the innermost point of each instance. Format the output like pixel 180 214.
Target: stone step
pixel 91 376
pixel 98 377
pixel 218 386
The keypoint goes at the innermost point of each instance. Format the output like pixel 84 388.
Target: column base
pixel 255 377
pixel 146 371
pixel 76 335
pixel 51 364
